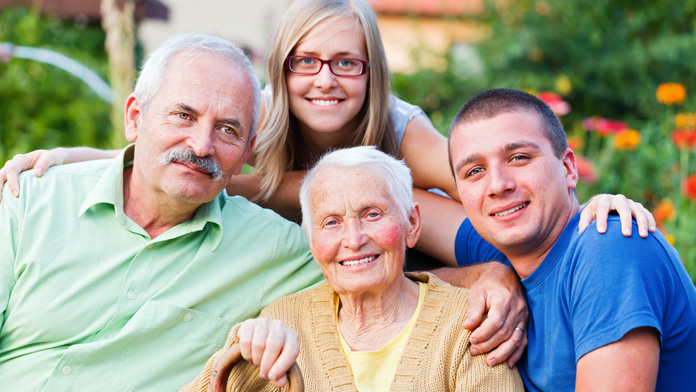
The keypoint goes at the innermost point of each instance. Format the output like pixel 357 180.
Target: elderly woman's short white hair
pixel 192 45
pixel 393 173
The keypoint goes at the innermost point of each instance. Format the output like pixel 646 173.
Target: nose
pixel 201 140
pixel 325 79
pixel 500 181
pixel 353 236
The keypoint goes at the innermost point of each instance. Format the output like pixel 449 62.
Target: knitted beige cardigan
pixel 436 357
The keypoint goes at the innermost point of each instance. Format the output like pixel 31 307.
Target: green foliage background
pixel 614 53
pixel 42 106
pixel 606 59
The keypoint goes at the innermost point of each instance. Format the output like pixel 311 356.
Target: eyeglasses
pixel 306 65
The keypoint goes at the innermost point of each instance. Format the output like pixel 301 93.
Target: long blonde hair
pixel 278 134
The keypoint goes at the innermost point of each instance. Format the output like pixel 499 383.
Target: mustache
pixel 206 164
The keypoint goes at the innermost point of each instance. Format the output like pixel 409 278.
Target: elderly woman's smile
pixel 360 261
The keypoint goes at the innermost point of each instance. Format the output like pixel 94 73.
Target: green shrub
pixel 44 106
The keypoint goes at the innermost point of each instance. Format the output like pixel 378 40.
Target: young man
pixel 608 312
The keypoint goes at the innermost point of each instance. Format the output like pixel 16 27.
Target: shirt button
pixel 66 370
pixel 149 246
pixel 187 317
pixel 131 295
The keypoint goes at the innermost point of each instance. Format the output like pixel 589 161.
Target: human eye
pixel 183 116
pixel 519 158
pixel 347 65
pixel 475 171
pixel 330 222
pixel 229 133
pixel 304 64
pixel 228 130
pixel 373 214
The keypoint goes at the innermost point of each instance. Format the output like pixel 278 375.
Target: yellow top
pixel 374 370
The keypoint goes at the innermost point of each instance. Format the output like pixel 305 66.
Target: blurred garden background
pixel 619 74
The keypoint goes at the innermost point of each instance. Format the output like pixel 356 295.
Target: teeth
pixel 360 261
pixel 511 210
pixel 322 102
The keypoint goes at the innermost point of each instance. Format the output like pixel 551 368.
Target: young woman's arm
pixel 41 160
pixel 424 150
pixel 285 201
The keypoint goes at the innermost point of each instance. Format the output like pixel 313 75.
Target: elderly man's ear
pixel 131 121
pixel 414 220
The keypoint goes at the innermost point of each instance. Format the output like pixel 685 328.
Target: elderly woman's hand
pixel 497 292
pixel 271 345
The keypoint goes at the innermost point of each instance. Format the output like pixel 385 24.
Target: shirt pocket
pixel 165 346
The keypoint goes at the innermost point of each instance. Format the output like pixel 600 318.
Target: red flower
pixel 555 102
pixel 604 126
pixel 684 139
pixel 690 187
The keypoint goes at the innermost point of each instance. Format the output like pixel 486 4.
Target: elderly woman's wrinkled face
pixel 359 236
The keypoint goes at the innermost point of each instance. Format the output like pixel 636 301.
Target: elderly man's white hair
pixel 392 172
pixel 192 45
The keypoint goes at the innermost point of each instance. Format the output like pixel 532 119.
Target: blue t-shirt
pixel 590 290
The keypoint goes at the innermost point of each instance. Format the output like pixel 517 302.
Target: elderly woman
pixel 370 327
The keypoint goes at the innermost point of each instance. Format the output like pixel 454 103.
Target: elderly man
pixel 607 312
pixel 127 274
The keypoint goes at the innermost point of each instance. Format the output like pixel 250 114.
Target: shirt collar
pixel 109 190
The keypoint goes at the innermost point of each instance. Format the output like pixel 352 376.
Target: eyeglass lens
pixel 310 65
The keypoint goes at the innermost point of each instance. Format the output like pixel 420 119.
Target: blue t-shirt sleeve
pixel 471 248
pixel 635 279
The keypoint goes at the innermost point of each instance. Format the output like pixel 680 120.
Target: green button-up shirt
pixel 88 301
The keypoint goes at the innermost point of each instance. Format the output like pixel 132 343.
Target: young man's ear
pixel 133 118
pixel 571 168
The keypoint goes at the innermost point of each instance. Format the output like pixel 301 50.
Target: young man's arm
pixel 496 292
pixel 629 364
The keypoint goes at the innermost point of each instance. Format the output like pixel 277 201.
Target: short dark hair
pixel 491 103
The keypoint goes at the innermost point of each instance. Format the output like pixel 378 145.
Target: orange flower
pixel 665 211
pixel 627 140
pixel 685 120
pixel 684 139
pixel 586 169
pixel 671 93
pixel 690 187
